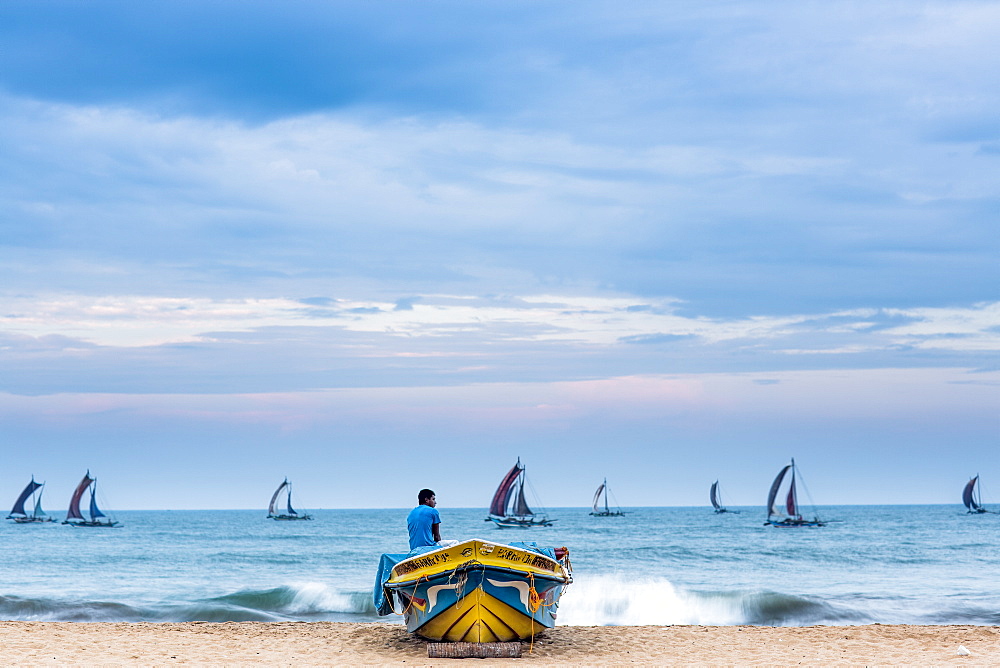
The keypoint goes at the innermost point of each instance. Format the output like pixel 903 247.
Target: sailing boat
pixel 971 497
pixel 715 496
pixel 97 518
pixel 791 517
pixel 605 511
pixel 509 509
pixel 19 515
pixel 290 513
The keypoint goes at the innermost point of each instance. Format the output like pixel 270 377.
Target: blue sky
pixel 381 246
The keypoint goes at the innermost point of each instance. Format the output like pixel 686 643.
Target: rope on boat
pixel 535 602
pixel 409 604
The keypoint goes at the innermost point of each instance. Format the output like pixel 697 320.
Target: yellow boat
pixel 475 591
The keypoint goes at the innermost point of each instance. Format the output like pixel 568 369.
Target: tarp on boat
pixel 383 602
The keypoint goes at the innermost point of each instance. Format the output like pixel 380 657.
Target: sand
pixel 329 643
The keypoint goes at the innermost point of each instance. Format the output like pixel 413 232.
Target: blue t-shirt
pixel 419 523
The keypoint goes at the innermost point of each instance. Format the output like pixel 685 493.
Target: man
pixel 424 521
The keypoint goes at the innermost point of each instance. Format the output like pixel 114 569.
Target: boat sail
pixel 290 513
pixel 509 509
pixel 715 496
pixel 603 509
pixel 97 518
pixel 18 513
pixel 792 516
pixel 971 497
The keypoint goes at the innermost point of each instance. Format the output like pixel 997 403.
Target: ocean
pixel 870 564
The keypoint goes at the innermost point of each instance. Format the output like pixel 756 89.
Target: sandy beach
pixel 329 643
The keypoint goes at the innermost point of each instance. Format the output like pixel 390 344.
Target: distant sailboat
pixel 601 507
pixel 19 515
pixel 509 509
pixel 792 516
pixel 715 496
pixel 97 518
pixel 971 497
pixel 290 513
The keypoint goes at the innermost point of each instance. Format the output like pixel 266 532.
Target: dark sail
pixel 498 506
pixel 18 508
pixel 95 512
pixel 74 503
pixel 521 508
pixel 288 504
pixel 774 489
pixel 713 495
pixel 967 494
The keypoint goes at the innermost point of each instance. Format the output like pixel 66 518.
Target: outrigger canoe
pixel 474 591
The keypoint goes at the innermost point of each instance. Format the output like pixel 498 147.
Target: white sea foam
pixel 316 597
pixel 616 600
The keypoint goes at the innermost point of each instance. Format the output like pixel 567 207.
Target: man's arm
pixel 436 531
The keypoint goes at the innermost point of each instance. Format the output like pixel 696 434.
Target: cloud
pixel 101 194
pixel 153 344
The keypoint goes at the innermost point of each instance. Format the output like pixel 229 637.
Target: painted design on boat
pixel 509 508
pixel 97 517
pixel 33 490
pixel 792 516
pixel 290 512
pixel 475 591
pixel 601 507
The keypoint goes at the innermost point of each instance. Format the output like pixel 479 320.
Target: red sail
pixel 74 504
pixel 790 501
pixel 499 505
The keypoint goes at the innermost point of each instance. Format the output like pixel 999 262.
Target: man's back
pixel 420 523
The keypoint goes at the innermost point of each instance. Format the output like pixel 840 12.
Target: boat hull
pixel 795 523
pixel 281 518
pixel 104 525
pixel 31 520
pixel 478 591
pixel 519 522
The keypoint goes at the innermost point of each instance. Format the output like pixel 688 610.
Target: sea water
pixel 870 564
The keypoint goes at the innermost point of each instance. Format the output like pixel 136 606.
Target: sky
pixel 375 247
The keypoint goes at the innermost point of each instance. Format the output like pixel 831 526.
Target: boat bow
pixel 475 591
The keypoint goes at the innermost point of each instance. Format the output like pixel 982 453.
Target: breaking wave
pixel 299 602
pixel 615 601
pixel 609 600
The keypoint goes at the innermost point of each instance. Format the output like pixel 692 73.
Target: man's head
pixel 426 497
